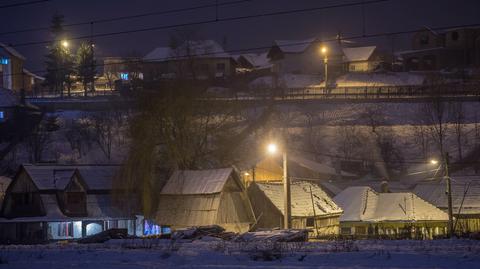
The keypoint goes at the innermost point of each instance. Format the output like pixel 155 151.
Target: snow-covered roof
pixel 301 199
pixel 8 98
pixel 197 181
pixel 463 188
pixel 57 177
pixel 197 49
pixel 258 60
pixel 358 53
pixel 294 46
pixel 380 79
pixel 27 72
pixel 364 204
pixel 12 51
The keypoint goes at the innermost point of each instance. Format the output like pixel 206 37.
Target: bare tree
pixel 435 114
pixel 421 138
pixel 349 140
pixel 457 114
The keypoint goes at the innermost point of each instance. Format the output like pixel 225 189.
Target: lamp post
pixel 287 214
pixel 324 51
pixel 448 192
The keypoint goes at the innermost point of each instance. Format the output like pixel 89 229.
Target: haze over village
pixel 260 133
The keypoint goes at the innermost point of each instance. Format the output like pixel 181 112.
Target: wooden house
pixel 205 197
pixel 46 202
pixel 465 200
pixel 11 68
pixel 367 213
pixel 362 59
pixel 311 209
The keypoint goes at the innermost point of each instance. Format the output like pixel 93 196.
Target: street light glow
pixel 323 50
pixel 65 43
pixel 272 148
pixel 246 174
pixel 433 161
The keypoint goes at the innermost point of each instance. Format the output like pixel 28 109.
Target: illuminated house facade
pixel 44 203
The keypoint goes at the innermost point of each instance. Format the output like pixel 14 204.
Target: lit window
pixel 2 115
pixel 4 61
pixel 124 76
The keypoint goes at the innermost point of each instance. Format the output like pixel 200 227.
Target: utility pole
pixel 449 196
pixel 287 214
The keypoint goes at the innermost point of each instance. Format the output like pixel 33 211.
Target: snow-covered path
pixel 360 254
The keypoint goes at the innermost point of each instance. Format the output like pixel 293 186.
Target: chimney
pixel 384 187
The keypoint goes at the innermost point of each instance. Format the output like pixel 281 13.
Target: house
pixel 9 103
pixel 465 200
pixel 32 83
pixel 205 197
pixel 367 213
pixel 437 50
pixel 56 202
pixel 270 169
pixel 311 208
pixel 305 57
pixel 11 68
pixel 249 62
pixel 362 59
pixel 201 59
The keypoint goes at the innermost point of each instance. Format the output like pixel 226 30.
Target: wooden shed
pixel 312 208
pixel 205 197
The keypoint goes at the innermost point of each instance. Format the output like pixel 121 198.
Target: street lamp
pixel 272 149
pixel 448 191
pixel 324 52
pixel 65 43
pixel 433 161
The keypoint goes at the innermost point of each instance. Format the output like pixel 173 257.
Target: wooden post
pixel 449 197
pixel 287 214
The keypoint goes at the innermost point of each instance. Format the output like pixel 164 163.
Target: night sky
pixel 395 15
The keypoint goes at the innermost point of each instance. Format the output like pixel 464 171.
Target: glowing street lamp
pixel 65 44
pixel 272 149
pixel 433 161
pixel 324 52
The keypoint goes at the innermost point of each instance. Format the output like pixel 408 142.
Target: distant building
pixel 253 62
pixel 46 202
pixel 367 213
pixel 465 200
pixel 11 68
pixel 205 197
pixel 202 59
pixel 32 83
pixel 436 50
pixel 362 59
pixel 312 208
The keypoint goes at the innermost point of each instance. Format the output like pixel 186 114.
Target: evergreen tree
pixel 59 60
pixel 86 66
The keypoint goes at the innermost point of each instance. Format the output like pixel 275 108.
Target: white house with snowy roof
pixel 311 208
pixel 398 215
pixel 199 59
pixel 362 59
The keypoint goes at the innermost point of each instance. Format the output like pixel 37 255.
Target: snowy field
pixel 219 254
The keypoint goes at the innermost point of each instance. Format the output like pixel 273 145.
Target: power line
pixel 214 20
pixel 23 4
pixel 140 15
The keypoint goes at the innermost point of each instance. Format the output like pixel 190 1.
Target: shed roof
pixel 186 182
pixel 358 53
pixel 294 46
pixel 364 204
pixel 301 199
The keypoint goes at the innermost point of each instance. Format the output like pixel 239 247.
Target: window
pixel 220 67
pixel 424 39
pixel 360 230
pixel 455 36
pixel 2 115
pixel 65 229
pixel 4 61
pixel 310 222
pixel 124 76
pixel 346 230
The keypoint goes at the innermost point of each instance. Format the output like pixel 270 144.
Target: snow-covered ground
pixel 219 254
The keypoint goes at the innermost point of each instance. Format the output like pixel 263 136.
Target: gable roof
pixel 434 192
pixel 12 51
pixel 197 181
pixel 294 46
pixel 57 177
pixel 257 60
pixel 364 204
pixel 301 199
pixel 197 49
pixel 8 98
pixel 358 53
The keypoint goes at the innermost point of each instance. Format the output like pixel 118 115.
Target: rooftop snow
pixel 197 181
pixel 301 199
pixel 358 53
pixel 257 59
pixel 202 48
pixel 364 204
